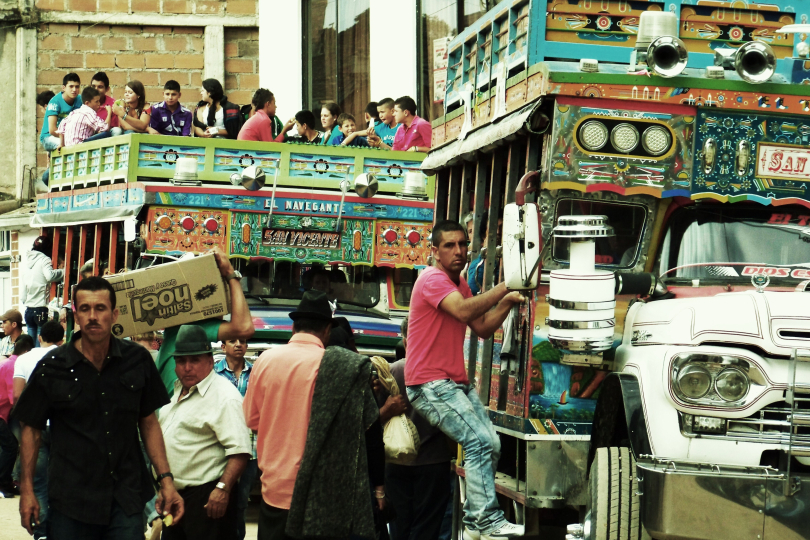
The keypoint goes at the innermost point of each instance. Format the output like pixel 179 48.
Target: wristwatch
pixel 164 475
pixel 236 274
pixel 222 486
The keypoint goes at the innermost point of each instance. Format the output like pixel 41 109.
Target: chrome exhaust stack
pixel 754 62
pixel 581 299
pixel 658 46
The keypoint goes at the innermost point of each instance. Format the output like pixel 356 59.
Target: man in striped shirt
pixel 84 124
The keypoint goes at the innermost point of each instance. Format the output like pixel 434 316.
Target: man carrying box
pixel 239 327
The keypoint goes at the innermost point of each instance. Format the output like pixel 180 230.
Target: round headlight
pixel 694 381
pixel 624 137
pixel 732 384
pixel 593 135
pixel 655 140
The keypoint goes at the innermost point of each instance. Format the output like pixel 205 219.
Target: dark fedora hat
pixel 191 341
pixel 314 305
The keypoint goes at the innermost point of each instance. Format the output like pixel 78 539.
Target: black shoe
pixel 6 493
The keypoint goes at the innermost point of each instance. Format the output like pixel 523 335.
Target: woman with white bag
pixel 418 487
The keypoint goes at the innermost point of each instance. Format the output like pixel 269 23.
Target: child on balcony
pixel 84 124
pixel 348 136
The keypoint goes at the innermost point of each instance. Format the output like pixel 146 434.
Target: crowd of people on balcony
pixel 77 115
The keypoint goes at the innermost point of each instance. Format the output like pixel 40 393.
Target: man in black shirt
pixel 98 392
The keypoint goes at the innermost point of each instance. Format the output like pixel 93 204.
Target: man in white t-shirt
pixel 50 337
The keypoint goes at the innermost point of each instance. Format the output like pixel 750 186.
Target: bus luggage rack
pixel 154 158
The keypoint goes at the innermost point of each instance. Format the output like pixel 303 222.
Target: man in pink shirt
pixel 414 133
pixel 263 125
pixel 442 306
pixel 277 407
pixel 101 82
pixel 8 443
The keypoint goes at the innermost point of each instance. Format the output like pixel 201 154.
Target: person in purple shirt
pixel 169 117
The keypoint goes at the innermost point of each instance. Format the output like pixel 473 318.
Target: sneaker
pixel 41 187
pixel 10 488
pixel 470 534
pixel 506 530
pixel 4 494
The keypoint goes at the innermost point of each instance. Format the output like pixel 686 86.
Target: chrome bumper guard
pixel 700 501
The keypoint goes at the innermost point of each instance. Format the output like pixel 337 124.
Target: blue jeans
pixel 50 143
pixel 35 317
pixel 457 411
pixel 246 482
pixel 40 477
pixel 120 527
pixel 97 136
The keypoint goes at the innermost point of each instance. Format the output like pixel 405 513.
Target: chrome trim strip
pixel 581 306
pixel 581 325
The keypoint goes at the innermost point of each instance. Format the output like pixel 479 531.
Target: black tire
pixel 613 507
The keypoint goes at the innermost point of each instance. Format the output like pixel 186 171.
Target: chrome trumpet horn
pixel 666 56
pixel 754 62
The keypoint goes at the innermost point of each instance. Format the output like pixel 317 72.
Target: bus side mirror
pixel 521 246
pixel 130 228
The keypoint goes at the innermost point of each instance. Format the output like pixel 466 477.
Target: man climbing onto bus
pixel 442 307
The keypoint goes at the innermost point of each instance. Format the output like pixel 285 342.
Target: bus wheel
pixel 613 511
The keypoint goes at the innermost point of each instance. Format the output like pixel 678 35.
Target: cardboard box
pixel 168 295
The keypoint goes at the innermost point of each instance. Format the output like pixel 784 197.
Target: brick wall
pixel 241 64
pixel 150 54
pixel 197 7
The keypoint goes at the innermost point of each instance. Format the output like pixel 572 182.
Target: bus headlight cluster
pixel 624 136
pixel 707 379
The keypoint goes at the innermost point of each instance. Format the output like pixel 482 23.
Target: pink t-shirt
pixel 435 338
pixel 257 128
pixel 7 385
pixel 102 112
pixel 418 134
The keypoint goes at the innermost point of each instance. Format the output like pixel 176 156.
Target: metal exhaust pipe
pixel 754 62
pixel 667 56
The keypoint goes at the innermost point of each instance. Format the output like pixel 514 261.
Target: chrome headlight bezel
pixel 714 364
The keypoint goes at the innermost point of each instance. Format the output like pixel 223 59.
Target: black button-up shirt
pixel 95 455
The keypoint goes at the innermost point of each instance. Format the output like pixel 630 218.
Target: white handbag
pixel 399 433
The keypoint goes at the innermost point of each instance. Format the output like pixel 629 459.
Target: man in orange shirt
pixel 277 406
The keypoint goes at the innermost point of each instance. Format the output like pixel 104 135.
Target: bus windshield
pixel 355 285
pixel 713 241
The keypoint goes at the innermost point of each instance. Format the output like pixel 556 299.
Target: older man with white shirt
pixel 207 441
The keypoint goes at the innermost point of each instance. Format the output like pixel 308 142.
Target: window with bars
pixel 5 241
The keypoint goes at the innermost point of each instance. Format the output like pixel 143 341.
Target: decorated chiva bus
pixel 649 163
pixel 351 222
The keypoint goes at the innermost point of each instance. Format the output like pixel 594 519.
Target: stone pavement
pixel 10 528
